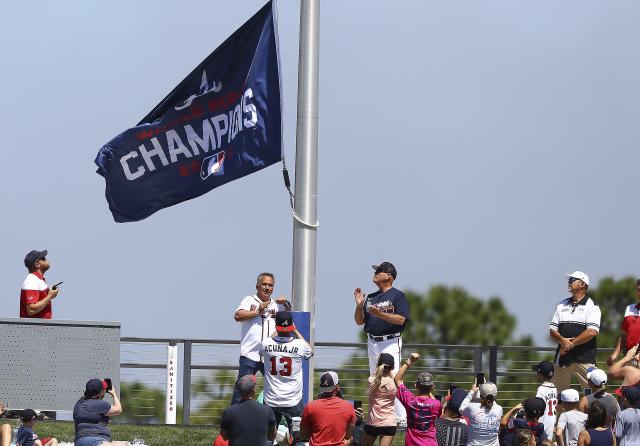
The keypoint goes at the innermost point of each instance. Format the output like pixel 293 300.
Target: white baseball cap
pixel 570 396
pixel 579 275
pixel 597 376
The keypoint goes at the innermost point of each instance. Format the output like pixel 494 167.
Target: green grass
pixel 153 435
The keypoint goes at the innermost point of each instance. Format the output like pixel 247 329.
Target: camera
pixel 109 385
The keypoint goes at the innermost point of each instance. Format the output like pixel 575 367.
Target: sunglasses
pixel 572 279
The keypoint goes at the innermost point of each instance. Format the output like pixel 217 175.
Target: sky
pixel 488 145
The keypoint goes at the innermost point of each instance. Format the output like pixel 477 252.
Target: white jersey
pixel 283 370
pixel 484 423
pixel 253 331
pixel 548 392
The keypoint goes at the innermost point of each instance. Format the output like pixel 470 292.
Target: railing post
pixel 477 359
pixel 186 383
pixel 172 370
pixel 493 364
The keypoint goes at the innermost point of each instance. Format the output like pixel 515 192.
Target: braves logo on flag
pixel 222 122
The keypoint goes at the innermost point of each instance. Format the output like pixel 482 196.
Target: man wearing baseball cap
pixel 384 315
pixel 450 429
pixel 247 423
pixel 36 295
pixel 597 380
pixel 283 356
pixel 571 420
pixel 329 420
pixel 574 327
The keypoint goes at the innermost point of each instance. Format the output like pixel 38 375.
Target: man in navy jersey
pixel 384 315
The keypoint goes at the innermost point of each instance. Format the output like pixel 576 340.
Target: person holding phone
pixel 35 294
pixel 91 415
pixel 484 417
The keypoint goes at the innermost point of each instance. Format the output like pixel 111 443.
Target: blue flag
pixel 220 123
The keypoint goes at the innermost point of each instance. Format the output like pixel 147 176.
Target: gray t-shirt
pixel 608 401
pixel 627 427
pixel 572 423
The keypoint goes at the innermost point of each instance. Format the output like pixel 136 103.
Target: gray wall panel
pixel 45 364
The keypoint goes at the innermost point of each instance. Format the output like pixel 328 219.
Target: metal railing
pixel 208 370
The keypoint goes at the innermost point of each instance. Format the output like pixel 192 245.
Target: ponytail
pixel 380 372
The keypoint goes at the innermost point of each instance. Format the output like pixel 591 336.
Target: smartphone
pixel 109 385
pixel 480 378
pixel 57 285
pixel 357 404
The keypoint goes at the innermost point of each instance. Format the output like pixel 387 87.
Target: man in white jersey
pixel 548 392
pixel 283 357
pixel 257 315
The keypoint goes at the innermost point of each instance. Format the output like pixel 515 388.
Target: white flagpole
pixel 306 183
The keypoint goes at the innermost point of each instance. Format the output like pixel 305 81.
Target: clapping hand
pixel 359 295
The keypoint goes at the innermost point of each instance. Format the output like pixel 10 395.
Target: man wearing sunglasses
pixel 630 335
pixel 384 315
pixel 36 295
pixel 574 326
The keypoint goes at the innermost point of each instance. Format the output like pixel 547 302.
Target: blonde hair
pixel 523 437
pixel 380 372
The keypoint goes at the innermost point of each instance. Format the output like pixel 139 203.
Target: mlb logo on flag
pixel 212 165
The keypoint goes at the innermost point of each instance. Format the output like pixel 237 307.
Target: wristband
pixel 407 362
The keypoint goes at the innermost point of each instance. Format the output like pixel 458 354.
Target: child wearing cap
pixel 533 410
pixel 26 436
pixel 484 417
pixel 597 380
pixel 627 425
pixel 571 420
pixel 549 393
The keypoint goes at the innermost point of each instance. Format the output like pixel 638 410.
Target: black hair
pixel 596 416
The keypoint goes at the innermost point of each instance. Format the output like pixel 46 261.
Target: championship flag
pixel 222 122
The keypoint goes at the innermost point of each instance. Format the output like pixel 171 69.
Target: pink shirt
pixel 381 410
pixel 421 413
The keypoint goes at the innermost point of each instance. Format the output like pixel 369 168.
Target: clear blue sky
pixel 491 145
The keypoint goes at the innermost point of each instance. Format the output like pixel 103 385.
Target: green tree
pixel 142 404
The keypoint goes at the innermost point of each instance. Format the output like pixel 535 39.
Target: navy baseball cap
pixel 457 397
pixel 386 267
pixel 284 321
pixel 32 256
pixel 545 368
pixel 386 359
pixel 94 387
pixel 534 406
pixel 28 415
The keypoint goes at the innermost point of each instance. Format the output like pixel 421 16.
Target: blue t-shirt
pixel 247 423
pixel 90 419
pixel 26 436
pixel 391 301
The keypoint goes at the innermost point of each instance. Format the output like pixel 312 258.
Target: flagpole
pixel 306 183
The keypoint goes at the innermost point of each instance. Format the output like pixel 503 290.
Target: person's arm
pixel 616 351
pixel 565 343
pixel 348 436
pixel 615 371
pixel 559 438
pixel 585 336
pixel 583 405
pixel 584 439
pixel 243 315
pixel 304 432
pixel 413 357
pixel 116 409
pixel 392 318
pixel 505 418
pixel 359 314
pixel 37 307
pixel 299 336
pixel 271 435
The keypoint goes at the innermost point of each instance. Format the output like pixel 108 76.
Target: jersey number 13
pixel 286 369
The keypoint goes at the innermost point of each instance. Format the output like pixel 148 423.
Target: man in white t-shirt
pixel 283 356
pixel 257 315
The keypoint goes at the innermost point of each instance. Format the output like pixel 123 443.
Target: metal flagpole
pixel 306 184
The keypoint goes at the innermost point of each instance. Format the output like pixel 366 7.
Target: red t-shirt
pixel 220 441
pixel 631 325
pixel 34 289
pixel 327 420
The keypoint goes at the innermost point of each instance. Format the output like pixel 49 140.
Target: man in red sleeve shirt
pixel 329 420
pixel 36 295
pixel 630 329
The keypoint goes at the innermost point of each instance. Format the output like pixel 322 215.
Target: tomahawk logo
pixel 212 165
pixel 284 323
pixel 204 89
